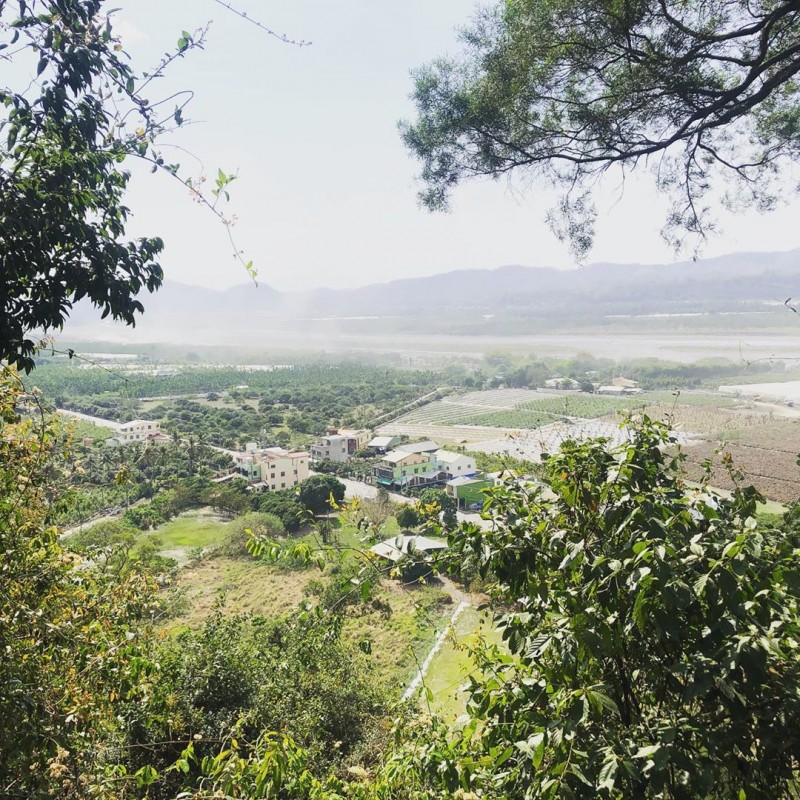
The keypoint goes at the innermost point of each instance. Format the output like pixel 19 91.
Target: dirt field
pixel 766 454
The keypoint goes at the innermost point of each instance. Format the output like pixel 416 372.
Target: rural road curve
pixel 99 421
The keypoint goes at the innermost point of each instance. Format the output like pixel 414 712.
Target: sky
pixel 326 192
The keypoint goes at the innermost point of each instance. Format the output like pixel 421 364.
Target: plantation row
pixel 537 410
pixel 521 408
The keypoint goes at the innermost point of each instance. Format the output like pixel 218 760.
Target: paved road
pixel 398 412
pixel 99 421
pixel 369 492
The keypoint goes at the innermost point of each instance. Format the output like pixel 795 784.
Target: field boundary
pixel 417 680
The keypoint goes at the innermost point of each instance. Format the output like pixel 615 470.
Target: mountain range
pixel 734 283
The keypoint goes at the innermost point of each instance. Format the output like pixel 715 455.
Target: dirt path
pixel 91 522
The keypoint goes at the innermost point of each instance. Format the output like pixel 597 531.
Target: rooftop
pixel 382 441
pixel 405 544
pixel 396 456
pixel 448 456
pixel 418 447
pixel 464 480
pixel 133 422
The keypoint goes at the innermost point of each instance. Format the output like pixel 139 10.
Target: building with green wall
pixel 467 491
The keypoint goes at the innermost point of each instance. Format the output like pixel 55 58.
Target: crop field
pixel 694 422
pixel 516 408
pixel 763 439
pixel 529 445
pixel 445 434
pixel 529 409
pixel 526 422
pixel 766 454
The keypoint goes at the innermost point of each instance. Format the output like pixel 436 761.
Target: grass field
pixel 195 529
pixel 400 625
pixel 454 663
pixel 240 585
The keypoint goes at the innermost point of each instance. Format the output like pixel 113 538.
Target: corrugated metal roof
pixel 418 447
pixel 398 546
pixel 447 456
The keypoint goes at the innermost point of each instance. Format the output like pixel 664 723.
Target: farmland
pixel 763 439
pixel 528 409
pixel 766 454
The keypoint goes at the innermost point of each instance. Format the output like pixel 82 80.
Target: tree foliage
pixel 652 636
pixel 316 493
pixel 564 90
pixel 71 635
pixel 64 140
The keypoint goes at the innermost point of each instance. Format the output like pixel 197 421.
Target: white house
pixel 338 445
pixel 272 468
pixel 453 464
pixel 138 430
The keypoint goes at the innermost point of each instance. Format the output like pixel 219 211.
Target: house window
pixel 272 474
pixel 283 486
pixel 283 474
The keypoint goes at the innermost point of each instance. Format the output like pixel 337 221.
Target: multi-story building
pixel 452 465
pixel 138 430
pixel 339 445
pixel 272 468
pixel 468 491
pixel 404 469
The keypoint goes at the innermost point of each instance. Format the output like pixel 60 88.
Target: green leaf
pixel 608 773
pixel 700 584
pixel 146 776
pixel 647 751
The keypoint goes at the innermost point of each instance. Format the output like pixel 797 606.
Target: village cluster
pixel 396 466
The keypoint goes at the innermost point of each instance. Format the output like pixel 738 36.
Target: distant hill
pixel 730 283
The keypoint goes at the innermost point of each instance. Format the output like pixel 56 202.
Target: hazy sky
pixel 326 193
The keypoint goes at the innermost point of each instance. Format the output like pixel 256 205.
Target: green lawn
pixel 453 663
pixel 189 531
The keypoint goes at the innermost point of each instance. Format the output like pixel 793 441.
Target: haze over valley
pixel 730 306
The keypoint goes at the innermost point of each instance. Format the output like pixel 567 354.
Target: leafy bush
pixel 315 493
pixel 285 506
pixel 269 526
pixel 653 630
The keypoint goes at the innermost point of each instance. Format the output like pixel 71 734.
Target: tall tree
pixel 67 137
pixel 563 90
